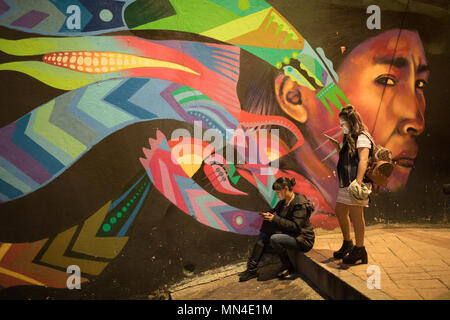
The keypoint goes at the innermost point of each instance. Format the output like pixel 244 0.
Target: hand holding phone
pixel 330 138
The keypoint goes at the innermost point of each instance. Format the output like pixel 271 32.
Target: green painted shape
pixel 37 46
pixel 106 227
pixel 56 77
pixel 308 62
pixel 231 173
pixel 332 93
pixel 193 98
pixel 92 103
pixel 195 16
pixel 274 200
pixel 271 55
pixel 243 7
pixel 144 11
pixel 183 89
pixel 270 21
pixel 318 70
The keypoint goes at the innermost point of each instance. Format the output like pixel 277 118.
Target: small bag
pixel 359 191
pixel 380 164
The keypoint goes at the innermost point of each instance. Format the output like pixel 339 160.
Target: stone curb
pixel 330 281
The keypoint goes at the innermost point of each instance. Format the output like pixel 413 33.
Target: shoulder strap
pixel 303 201
pixel 370 138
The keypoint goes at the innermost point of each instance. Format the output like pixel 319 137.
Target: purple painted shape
pixel 252 220
pixel 166 95
pixel 3 7
pixel 30 19
pixel 20 158
pixel 324 76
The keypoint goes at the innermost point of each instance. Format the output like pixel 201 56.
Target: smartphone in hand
pixel 330 138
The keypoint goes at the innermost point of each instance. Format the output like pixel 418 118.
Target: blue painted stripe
pixel 8 166
pixel 115 203
pixel 226 57
pixel 231 70
pixel 32 148
pixel 120 98
pixel 227 51
pixel 8 190
pixel 127 224
pixel 76 112
pixel 3 197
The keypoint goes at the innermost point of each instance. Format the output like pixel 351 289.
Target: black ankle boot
pixel 286 266
pixel 252 264
pixel 347 247
pixel 358 253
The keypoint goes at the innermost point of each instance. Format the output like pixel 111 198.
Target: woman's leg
pixel 342 213
pixel 359 225
pixel 359 251
pixel 281 242
pixel 255 256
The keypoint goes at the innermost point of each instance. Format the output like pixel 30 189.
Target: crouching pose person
pixel 286 226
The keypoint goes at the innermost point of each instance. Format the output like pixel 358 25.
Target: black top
pixel 347 167
pixel 294 219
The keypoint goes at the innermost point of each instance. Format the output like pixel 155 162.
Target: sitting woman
pixel 286 226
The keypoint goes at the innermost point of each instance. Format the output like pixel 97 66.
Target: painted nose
pixel 414 125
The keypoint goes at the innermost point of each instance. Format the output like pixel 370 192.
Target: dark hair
pixel 357 126
pixel 283 182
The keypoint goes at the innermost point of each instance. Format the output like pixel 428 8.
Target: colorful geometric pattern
pixel 41 145
pixel 173 182
pixel 53 16
pixel 91 245
pixel 119 80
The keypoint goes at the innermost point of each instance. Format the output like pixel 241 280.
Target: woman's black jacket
pixel 294 221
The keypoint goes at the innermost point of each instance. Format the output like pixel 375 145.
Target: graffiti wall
pixel 140 139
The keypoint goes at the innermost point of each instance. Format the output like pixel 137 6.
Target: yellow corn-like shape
pixel 104 62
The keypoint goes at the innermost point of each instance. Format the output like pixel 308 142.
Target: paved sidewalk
pixel 223 284
pixel 414 263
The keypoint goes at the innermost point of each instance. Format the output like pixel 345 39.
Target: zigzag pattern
pixel 42 144
pixel 170 179
pixel 51 17
pixel 90 245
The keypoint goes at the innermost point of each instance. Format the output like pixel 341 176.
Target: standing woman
pixel 286 226
pixel 351 168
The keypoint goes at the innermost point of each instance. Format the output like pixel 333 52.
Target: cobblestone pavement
pixel 414 263
pixel 224 285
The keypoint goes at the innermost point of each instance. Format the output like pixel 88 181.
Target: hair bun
pixel 293 181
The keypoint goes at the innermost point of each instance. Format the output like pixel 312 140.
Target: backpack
pixel 304 201
pixel 380 164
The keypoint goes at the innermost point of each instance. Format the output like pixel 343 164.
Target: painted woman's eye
pixel 421 84
pixel 385 80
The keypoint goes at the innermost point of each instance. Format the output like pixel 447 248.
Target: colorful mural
pixel 203 102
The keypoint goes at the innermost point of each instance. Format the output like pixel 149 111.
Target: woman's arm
pixel 298 220
pixel 363 154
pixel 334 142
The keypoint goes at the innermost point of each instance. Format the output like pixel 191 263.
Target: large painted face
pixel 363 77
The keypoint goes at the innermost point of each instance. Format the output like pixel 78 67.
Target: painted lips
pixel 406 162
